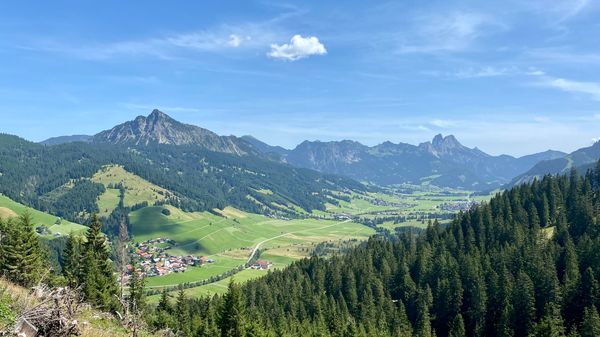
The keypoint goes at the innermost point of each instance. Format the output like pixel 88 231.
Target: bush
pixel 7 317
pixel 166 211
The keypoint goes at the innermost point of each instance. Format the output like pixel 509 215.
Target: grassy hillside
pixel 10 208
pixel 137 189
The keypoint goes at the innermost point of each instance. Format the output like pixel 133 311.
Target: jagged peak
pixel 438 139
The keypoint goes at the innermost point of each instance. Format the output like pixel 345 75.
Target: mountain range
pixel 581 159
pixel 443 161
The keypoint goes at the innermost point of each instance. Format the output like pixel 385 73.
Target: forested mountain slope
pixel 56 178
pixel 524 264
pixel 582 159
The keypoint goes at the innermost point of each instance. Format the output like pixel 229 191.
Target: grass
pixel 203 233
pixel 222 264
pixel 137 189
pixel 230 238
pixel 10 208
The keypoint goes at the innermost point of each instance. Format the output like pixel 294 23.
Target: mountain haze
pixel 444 161
pixel 66 139
pixel 581 159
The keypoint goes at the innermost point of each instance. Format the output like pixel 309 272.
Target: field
pixel 10 208
pixel 207 234
pixel 229 239
pixel 137 190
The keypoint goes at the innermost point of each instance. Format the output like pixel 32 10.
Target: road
pixel 257 247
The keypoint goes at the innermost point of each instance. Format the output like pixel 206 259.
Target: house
pixel 262 264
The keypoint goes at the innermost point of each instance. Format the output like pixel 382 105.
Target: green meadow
pixel 229 240
pixel 10 208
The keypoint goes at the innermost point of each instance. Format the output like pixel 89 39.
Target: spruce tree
pixel 136 296
pixel 457 327
pixel 72 266
pixel 551 325
pixel 231 317
pixel 99 283
pixel 22 255
pixel 590 326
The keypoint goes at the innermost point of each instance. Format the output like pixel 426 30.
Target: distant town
pixel 153 259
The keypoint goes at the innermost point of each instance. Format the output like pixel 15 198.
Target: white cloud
pixel 298 48
pixel 535 72
pixel 487 71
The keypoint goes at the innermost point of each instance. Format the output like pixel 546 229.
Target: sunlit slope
pixel 10 208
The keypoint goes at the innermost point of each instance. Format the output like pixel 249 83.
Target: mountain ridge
pixel 443 161
pixel 580 159
pixel 159 128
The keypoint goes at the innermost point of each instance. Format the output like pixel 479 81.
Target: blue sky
pixel 506 76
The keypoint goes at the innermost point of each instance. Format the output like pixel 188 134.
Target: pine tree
pixel 182 312
pixel 551 325
pixel 22 255
pixel 590 326
pixel 136 300
pixel 457 327
pixel 71 261
pixel 524 305
pixel 136 296
pixel 231 317
pixel 163 303
pixel 99 283
pixel 423 324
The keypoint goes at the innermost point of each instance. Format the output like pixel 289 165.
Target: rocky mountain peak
pixel 160 128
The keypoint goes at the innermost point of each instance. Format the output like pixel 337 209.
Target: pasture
pixel 10 208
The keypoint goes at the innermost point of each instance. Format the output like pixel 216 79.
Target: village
pixel 153 259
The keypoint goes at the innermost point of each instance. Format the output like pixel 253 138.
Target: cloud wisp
pixel 456 31
pixel 590 89
pixel 219 39
pixel 299 47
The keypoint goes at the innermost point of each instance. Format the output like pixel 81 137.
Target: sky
pixel 508 76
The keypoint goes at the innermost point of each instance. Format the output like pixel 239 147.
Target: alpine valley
pixel 189 212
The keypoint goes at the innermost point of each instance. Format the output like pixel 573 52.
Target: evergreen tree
pixel 136 296
pixel 551 325
pixel 72 266
pixel 590 326
pixel 231 317
pixel 22 256
pixel 99 283
pixel 182 312
pixel 457 328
